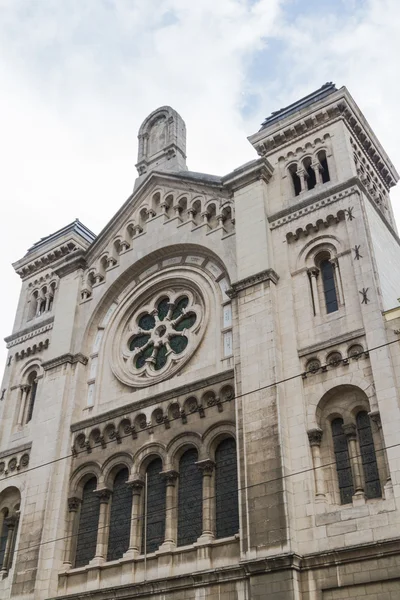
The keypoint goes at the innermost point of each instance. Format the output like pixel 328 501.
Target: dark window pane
pixel 182 303
pixel 32 397
pixel 147 322
pixel 190 499
pixel 3 540
pixel 226 489
pixel 311 179
pixel 141 359
pixel 325 171
pixel 161 358
pixel 88 524
pixel 328 280
pixel 163 308
pixel 139 341
pixel 120 517
pixel 343 468
pixel 178 343
pixel 155 508
pixel 186 322
pixel 368 456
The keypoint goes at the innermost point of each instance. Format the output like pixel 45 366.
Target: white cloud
pixel 79 77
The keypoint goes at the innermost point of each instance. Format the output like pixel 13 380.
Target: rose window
pixel 161 334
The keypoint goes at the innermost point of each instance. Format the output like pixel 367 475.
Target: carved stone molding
pixel 33 349
pixel 64 359
pixel 136 485
pixel 265 276
pixel 375 417
pixel 315 227
pixel 29 332
pixel 104 495
pixel 170 477
pixel 206 466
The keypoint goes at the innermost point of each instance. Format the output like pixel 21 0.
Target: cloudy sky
pixel 79 76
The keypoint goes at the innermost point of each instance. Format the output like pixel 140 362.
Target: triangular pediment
pixel 166 206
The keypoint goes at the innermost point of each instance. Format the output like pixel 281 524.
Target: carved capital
pixel 170 477
pixel 206 466
pixel 313 272
pixel 350 431
pixel 315 436
pixel 11 521
pixel 73 504
pixel 375 417
pixel 136 485
pixel 104 495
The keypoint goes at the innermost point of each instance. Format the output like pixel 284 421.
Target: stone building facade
pixel 202 402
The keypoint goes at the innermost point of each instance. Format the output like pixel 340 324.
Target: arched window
pixel 88 524
pixel 311 178
pixel 226 489
pixel 32 382
pixel 154 532
pixel 325 176
pixel 120 515
pixel 343 467
pixel 3 535
pixel 190 499
pixel 328 281
pixel 295 179
pixel 368 456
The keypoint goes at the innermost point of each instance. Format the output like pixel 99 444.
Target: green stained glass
pixel 141 359
pixel 161 358
pixel 178 343
pixel 163 308
pixel 187 322
pixel 147 322
pixel 182 303
pixel 139 341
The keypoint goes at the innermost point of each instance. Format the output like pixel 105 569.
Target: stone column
pixel 25 389
pixel 207 468
pixel 102 533
pixel 135 539
pixel 11 523
pixel 313 273
pixel 317 170
pixel 376 418
pixel 302 176
pixel 338 280
pixel 73 508
pixel 350 431
pixel 170 509
pixel 315 438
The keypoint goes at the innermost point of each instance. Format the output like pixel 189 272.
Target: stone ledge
pixel 15 450
pixel 140 404
pixel 340 339
pixel 29 332
pixel 64 359
pixel 244 284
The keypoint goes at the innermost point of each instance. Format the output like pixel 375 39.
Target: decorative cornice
pixel 34 349
pixel 64 359
pixel 315 227
pixel 73 263
pixel 28 333
pixel 256 170
pixel 340 339
pixel 15 450
pixel 315 200
pixel 138 405
pixel 314 436
pixel 264 276
pixel 29 267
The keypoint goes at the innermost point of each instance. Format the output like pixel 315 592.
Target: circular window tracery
pixel 155 334
pixel 161 332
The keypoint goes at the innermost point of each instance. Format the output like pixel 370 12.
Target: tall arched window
pixel 295 179
pixel 88 524
pixel 190 499
pixel 3 535
pixel 311 178
pixel 368 456
pixel 154 532
pixel 226 489
pixel 325 176
pixel 32 381
pixel 120 515
pixel 343 467
pixel 328 281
